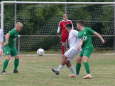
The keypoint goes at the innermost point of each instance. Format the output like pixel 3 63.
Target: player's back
pixel 73 38
pixel 13 35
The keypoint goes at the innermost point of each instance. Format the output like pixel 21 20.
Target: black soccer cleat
pixel 15 71
pixel 55 71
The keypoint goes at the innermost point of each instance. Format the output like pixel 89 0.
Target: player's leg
pixel 87 67
pixel 5 63
pixel 7 52
pixel 16 64
pixel 70 55
pixel 79 61
pixel 85 59
pixel 14 53
pixel 78 65
pixel 64 43
pixel 60 67
pixel 1 53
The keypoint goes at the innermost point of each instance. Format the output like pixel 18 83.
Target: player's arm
pixel 99 36
pixel 58 30
pixel 72 25
pixel 80 44
pixel 7 36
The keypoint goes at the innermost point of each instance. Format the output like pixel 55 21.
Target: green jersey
pixel 13 35
pixel 85 35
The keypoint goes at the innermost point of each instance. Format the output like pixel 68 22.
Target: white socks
pixel 72 69
pixel 60 67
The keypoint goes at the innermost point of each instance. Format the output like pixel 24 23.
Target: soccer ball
pixel 40 52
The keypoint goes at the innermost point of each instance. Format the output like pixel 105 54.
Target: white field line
pixel 111 54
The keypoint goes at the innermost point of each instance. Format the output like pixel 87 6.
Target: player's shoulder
pixel 88 28
pixel 74 31
pixel 12 30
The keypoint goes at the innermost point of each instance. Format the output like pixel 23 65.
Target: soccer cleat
pixel 55 71
pixel 15 71
pixel 3 72
pixel 72 75
pixel 88 76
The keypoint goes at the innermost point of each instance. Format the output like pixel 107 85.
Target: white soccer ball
pixel 40 52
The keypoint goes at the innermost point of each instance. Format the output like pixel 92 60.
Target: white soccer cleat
pixel 88 76
pixel 72 75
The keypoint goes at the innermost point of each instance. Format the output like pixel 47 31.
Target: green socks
pixel 5 64
pixel 16 64
pixel 78 66
pixel 87 67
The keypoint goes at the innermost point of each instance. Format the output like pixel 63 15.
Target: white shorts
pixel 70 54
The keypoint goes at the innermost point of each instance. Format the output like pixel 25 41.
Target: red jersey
pixel 62 29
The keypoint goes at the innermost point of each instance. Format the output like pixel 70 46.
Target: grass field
pixel 36 71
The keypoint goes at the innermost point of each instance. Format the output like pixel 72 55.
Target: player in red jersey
pixel 64 33
pixel 64 38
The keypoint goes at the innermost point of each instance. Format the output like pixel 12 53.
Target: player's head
pixel 19 26
pixel 65 17
pixel 80 25
pixel 69 27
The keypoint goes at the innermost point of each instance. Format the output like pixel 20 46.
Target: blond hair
pixel 19 23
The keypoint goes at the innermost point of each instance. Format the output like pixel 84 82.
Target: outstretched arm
pixel 100 37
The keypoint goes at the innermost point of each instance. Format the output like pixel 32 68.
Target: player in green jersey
pixel 85 34
pixel 10 48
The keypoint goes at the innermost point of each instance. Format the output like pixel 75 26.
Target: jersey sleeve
pixel 91 31
pixel 12 32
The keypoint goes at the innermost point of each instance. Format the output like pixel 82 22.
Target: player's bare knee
pixel 8 57
pixel 79 60
pixel 85 59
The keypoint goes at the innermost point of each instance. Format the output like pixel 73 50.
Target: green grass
pixel 36 71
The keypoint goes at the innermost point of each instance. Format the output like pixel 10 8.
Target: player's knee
pixel 85 59
pixel 8 57
pixel 17 57
pixel 68 63
pixel 79 60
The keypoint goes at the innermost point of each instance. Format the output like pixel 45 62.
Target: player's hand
pixel 103 41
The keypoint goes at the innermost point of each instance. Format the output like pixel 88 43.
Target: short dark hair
pixel 69 26
pixel 81 22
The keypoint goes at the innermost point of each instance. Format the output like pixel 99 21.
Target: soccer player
pixel 69 54
pixel 64 33
pixel 1 42
pixel 10 48
pixel 85 35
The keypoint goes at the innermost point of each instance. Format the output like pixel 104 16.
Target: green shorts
pixel 10 51
pixel 87 51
